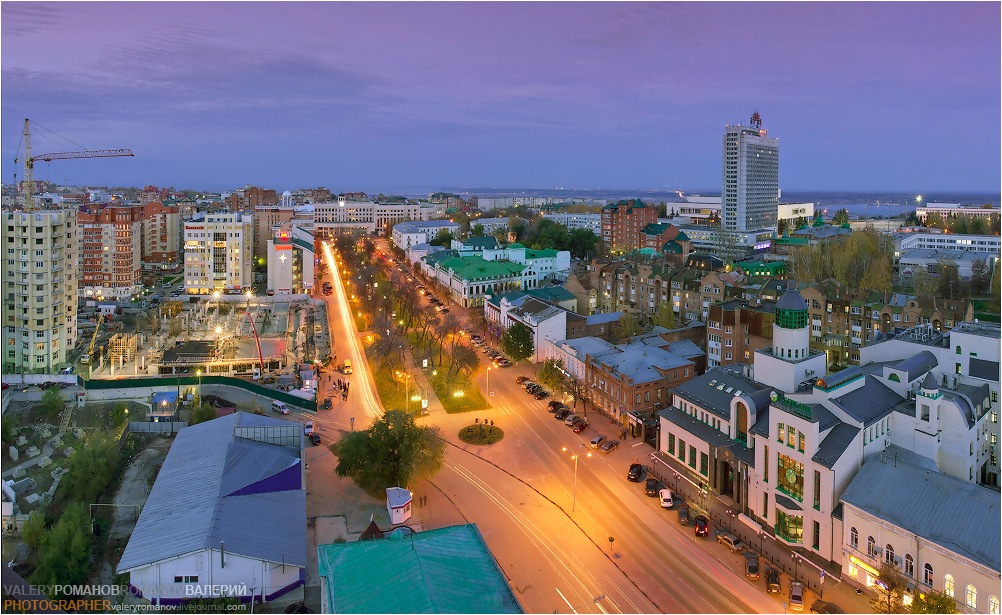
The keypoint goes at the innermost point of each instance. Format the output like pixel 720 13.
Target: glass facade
pixel 791 477
pixel 789 527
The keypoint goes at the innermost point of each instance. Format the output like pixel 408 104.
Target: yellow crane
pixel 93 341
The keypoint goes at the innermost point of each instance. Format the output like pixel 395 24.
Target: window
pixel 889 554
pixel 909 566
pixel 681 449
pixel 765 470
pixel 692 457
pixel 927 575
pixel 993 604
pixel 704 464
pixel 782 432
pixel 800 443
pixel 972 596
pixel 817 490
pixel 186 579
pixel 948 585
pixel 791 437
pixel 671 444
pixel 816 540
pixel 765 505
pixel 791 477
pixel 871 546
pixel 854 538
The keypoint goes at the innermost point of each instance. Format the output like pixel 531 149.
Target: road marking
pixel 569 605
pixel 638 444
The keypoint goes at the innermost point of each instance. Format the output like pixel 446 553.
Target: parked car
pixel 635 471
pixel 796 596
pixel 731 541
pixel 580 426
pixel 666 499
pixel 573 423
pixel 597 441
pixel 570 418
pixel 444 310
pixel 653 487
pixel 608 446
pixel 315 438
pixel 308 428
pixel 683 514
pixel 476 338
pixel 521 380
pixel 772 581
pixel 553 405
pixel 558 406
pixel 541 394
pixel 823 606
pixel 327 404
pixel 479 343
pixel 701 526
pixel 751 567
pixel 504 362
pixel 561 414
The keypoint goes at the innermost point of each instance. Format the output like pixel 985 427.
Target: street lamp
pixel 796 568
pixel 198 373
pixel 488 381
pixel 574 492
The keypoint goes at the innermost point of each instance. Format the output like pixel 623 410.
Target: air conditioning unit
pixel 897 560
pixel 877 550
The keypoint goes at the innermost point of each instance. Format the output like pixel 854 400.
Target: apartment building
pixel 946 210
pixel 162 234
pixel 111 249
pixel 736 329
pixel 40 289
pixel 412 233
pixel 218 253
pixel 592 222
pixel 665 239
pixel 249 199
pixel 622 222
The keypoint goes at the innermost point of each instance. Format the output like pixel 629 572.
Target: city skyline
pixel 874 96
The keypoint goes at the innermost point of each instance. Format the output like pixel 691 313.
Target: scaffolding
pixel 122 347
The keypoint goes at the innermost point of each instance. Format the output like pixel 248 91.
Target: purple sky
pixel 863 96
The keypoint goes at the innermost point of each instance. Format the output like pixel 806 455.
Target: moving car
pixel 772 581
pixel 635 471
pixel 683 514
pixel 796 596
pixel 751 566
pixel 701 525
pixel 653 487
pixel 346 368
pixel 666 499
pixel 327 404
pixel 608 445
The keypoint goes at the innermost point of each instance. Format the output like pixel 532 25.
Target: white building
pixel 574 352
pixel 291 255
pixel 541 265
pixel 40 289
pixel 990 244
pixel 218 253
pixel 915 260
pixel 941 533
pixel 493 225
pixel 592 222
pixel 346 216
pixel 531 202
pixel 226 515
pixel 791 212
pixel 750 178
pixel 790 362
pixel 954 209
pixel 412 233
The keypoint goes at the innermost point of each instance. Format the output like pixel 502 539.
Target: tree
pixel 120 414
pixel 933 602
pixel 664 316
pixel 628 326
pixel 996 285
pixel 950 286
pixel 552 374
pixel 841 217
pixel 64 557
pixel 934 220
pixel 392 453
pixel 52 402
pixel 477 230
pixel 442 238
pixel 34 529
pixel 201 413
pixel 782 226
pixel 517 342
pixel 889 590
pixel 980 276
pixel 9 428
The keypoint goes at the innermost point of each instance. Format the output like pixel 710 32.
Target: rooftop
pixel 640 362
pixel 714 390
pixel 448 570
pixel 869 403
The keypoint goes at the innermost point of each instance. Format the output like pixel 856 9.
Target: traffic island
pixel 480 434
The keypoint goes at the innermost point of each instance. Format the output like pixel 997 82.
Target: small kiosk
pixel 398 504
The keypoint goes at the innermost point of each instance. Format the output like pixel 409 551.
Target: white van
pixel 346 368
pixel 280 407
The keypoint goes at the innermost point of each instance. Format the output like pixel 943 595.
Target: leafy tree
pixel 9 429
pixel 64 558
pixel 517 226
pixel 120 414
pixel 781 227
pixel 34 529
pixel 517 342
pixel 996 286
pixel 628 326
pixel 583 243
pixel 477 230
pixel 889 590
pixel 664 316
pixel 394 452
pixel 934 220
pixel 52 402
pixel 980 276
pixel 442 238
pixel 201 413
pixel 950 286
pixel 933 602
pixel 90 471
pixel 551 374
pixel 841 217
pixel 464 360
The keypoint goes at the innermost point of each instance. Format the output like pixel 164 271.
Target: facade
pixel 789 362
pixel 350 216
pixel 696 210
pixel 290 255
pixel 203 537
pixel 736 330
pixel 946 210
pixel 728 243
pixel 592 222
pixel 266 219
pixel 792 212
pixel 111 248
pixel 493 225
pixel 622 223
pixel 909 240
pixel 911 262
pixel 250 198
pixel 750 192
pixel 218 253
pixel 666 239
pixel 40 289
pixel 469 278
pixel 412 233
pixel 162 250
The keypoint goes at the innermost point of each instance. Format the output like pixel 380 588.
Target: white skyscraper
pixel 750 171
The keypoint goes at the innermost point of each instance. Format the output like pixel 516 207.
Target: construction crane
pixel 93 341
pixel 28 193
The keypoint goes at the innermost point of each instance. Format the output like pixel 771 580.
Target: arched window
pixel 909 566
pixel 927 575
pixel 870 546
pixel 972 596
pixel 854 538
pixel 889 554
pixel 993 604
pixel 948 585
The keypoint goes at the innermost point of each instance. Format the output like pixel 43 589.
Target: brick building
pixel 161 238
pixel 622 223
pixel 250 198
pixel 111 247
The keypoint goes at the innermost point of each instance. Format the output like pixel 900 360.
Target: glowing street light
pixel 575 457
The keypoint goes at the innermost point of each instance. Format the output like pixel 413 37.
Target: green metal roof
pixel 448 570
pixel 514 245
pixel 672 246
pixel 544 253
pixel 681 237
pixel 476 268
pixel 655 228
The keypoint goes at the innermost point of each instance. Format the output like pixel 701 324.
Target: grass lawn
pixel 469 399
pixel 392 390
